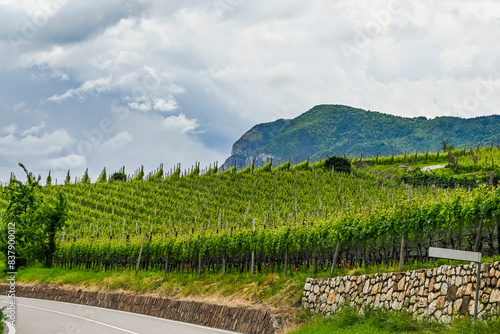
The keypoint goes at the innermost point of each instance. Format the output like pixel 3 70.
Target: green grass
pixel 270 290
pixel 350 321
pixel 150 281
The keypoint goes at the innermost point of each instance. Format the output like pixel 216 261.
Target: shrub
pixel 339 164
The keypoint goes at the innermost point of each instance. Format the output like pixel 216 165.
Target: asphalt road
pixel 43 316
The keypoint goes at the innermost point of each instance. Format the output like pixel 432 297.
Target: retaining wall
pixel 218 316
pixel 441 293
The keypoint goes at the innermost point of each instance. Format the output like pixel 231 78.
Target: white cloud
pixel 61 164
pixel 165 105
pixel 120 140
pixel 19 105
pixel 14 147
pixel 140 103
pixel 52 74
pixel 144 103
pixel 98 86
pixel 180 124
pixel 33 130
pixel 10 129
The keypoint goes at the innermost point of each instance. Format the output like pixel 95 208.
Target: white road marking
pixel 78 317
pixel 12 329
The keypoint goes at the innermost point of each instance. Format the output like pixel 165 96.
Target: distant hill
pixel 339 130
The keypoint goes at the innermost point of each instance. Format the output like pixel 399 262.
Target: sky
pixel 94 84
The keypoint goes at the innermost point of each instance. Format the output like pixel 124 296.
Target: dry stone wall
pixel 235 319
pixel 441 293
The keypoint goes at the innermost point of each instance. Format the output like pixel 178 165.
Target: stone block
pixel 464 308
pixel 495 296
pixel 431 284
pixel 457 305
pixel 484 298
pixel 397 305
pixel 440 302
pixel 444 289
pixel 401 284
pixel 431 308
pixel 494 281
pixel 422 303
pixel 331 298
pixel 452 293
pixel 469 289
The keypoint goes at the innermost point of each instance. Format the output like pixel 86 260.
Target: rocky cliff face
pixel 257 137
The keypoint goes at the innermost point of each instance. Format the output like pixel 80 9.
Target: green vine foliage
pixel 211 216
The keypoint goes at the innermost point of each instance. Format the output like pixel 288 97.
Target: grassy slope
pixel 278 293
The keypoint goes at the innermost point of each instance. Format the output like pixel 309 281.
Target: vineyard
pixel 284 218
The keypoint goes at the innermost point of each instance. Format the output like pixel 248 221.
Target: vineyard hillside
pixel 288 216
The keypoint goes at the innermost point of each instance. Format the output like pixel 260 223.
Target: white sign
pixel 452 254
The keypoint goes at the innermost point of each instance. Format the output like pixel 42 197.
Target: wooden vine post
pixel 253 247
pixel 477 244
pixel 335 258
pixel 224 256
pixel 199 257
pixel 199 265
pixel 403 239
pixel 402 254
pixel 166 265
pixel 315 258
pixel 140 254
pixel 286 261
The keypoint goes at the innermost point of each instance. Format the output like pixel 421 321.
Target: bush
pixel 339 164
pixel 119 176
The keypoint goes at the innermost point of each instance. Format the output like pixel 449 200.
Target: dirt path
pixel 428 168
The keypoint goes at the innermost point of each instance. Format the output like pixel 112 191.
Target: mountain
pixel 339 130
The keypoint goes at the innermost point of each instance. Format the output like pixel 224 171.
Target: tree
pixel 51 219
pixel 36 221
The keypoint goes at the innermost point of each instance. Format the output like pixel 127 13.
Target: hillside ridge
pixel 338 130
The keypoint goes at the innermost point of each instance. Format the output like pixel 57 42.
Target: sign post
pixel 452 254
